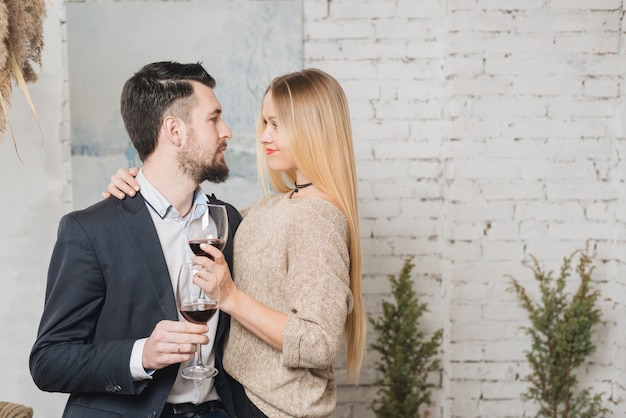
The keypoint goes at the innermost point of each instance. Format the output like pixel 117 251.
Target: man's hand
pixel 172 342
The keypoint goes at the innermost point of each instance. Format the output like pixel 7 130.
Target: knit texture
pixel 293 256
pixel 13 410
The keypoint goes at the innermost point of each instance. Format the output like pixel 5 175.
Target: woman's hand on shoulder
pixel 122 183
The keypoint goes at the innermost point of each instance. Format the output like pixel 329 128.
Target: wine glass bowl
pixel 208 225
pixel 197 307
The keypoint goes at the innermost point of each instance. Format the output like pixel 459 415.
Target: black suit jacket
pixel 108 285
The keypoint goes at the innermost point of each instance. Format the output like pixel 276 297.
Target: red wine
pixel 200 313
pixel 195 245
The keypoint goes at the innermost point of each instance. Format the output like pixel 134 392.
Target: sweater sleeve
pixel 317 290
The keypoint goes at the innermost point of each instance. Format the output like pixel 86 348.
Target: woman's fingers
pixel 122 183
pixel 217 255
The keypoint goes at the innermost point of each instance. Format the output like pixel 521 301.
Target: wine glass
pixel 198 307
pixel 208 225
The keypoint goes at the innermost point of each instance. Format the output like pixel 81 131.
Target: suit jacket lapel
pixel 142 233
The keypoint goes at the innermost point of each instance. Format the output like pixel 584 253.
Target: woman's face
pixel 278 156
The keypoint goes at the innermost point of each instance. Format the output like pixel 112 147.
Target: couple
pixel 110 334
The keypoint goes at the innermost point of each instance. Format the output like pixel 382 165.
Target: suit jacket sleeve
pixel 108 285
pixel 65 357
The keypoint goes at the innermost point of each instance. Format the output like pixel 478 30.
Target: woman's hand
pixel 219 268
pixel 122 183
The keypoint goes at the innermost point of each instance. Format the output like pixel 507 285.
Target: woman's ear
pixel 174 130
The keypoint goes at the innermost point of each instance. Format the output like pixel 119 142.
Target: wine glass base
pixel 199 373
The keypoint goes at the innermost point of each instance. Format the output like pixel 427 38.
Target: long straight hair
pixel 314 123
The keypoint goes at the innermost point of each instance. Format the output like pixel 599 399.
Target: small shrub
pixel 561 336
pixel 406 357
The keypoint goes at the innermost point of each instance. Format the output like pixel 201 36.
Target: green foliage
pixel 561 336
pixel 406 357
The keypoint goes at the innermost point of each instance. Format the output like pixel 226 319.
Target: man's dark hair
pixel 153 90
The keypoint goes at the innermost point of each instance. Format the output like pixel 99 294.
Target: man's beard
pixel 215 173
pixel 199 171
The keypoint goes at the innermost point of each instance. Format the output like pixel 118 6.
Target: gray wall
pixel 36 193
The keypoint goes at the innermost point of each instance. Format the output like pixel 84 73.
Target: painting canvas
pixel 243 44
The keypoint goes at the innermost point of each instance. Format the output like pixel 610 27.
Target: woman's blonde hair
pixel 314 123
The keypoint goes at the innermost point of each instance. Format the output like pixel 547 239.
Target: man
pixel 110 333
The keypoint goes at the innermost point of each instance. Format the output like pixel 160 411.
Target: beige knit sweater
pixel 292 255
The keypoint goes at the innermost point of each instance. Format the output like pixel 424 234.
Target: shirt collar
pixel 158 203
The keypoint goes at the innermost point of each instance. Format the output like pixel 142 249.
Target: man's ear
pixel 174 130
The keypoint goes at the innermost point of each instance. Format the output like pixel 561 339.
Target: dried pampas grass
pixel 21 43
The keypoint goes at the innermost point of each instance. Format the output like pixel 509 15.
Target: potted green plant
pixel 407 357
pixel 561 330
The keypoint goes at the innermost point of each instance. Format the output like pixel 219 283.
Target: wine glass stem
pixel 199 355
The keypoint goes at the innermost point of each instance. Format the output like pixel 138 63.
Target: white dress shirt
pixel 170 228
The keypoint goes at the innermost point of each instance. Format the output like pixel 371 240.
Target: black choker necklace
pixel 301 186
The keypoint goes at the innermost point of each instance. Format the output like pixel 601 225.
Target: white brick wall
pixel 486 131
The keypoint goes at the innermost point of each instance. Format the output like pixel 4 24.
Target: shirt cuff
pixel 136 364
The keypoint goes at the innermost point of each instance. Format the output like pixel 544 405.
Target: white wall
pixel 36 194
pixel 486 131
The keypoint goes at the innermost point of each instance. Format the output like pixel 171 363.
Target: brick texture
pixel 486 131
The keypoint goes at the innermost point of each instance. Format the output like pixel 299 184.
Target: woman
pixel 297 255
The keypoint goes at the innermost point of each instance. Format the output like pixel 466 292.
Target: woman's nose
pixel 265 137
